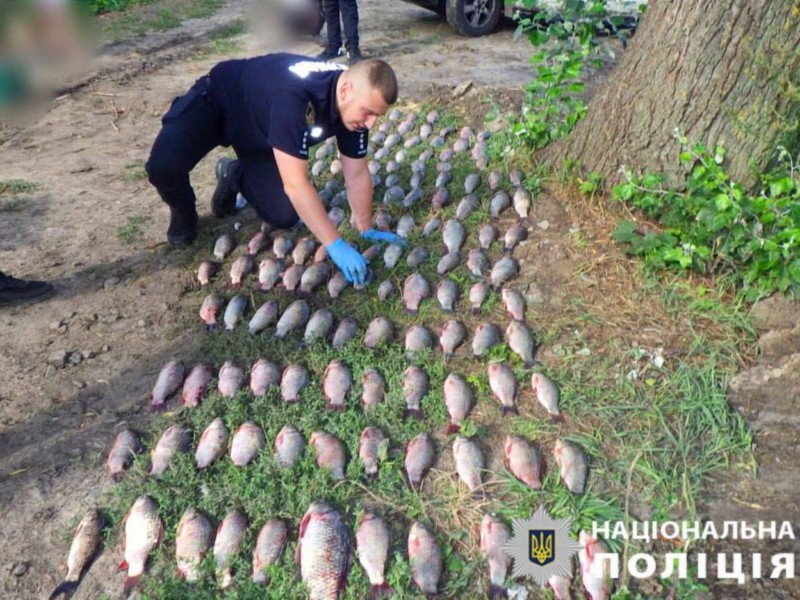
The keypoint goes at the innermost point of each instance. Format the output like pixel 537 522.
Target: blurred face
pixel 359 105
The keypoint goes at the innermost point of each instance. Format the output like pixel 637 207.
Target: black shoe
pixel 354 56
pixel 182 229
pixel 329 54
pixel 20 291
pixel 223 202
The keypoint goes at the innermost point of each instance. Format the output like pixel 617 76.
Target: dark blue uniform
pixel 281 101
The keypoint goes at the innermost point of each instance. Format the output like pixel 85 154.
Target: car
pixel 473 18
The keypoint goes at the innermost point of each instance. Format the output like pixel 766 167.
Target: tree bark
pixel 719 71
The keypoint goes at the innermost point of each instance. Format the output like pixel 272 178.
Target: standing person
pixel 271 109
pixel 349 12
pixel 22 291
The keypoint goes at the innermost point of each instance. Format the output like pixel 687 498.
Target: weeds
pixel 133 230
pixel 17 186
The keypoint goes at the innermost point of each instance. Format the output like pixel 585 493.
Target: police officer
pixel 271 109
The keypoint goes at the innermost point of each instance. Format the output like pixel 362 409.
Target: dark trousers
pixel 191 128
pixel 349 12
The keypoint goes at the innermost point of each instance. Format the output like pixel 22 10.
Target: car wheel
pixel 473 18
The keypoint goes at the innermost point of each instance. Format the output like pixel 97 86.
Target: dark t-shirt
pixel 282 101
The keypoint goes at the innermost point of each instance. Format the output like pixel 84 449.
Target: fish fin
pixel 410 311
pixel 159 407
pixel 412 412
pixel 447 310
pixel 180 574
pixel 212 327
pixel 559 418
pixel 379 591
pixel 525 222
pixel 452 428
pixel 123 566
pixel 476 311
pixel 508 251
pixel 496 592
pixel 504 410
pixel 235 286
pixel 531 363
pixel 115 477
pixel 67 588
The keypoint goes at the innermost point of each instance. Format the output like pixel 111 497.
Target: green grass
pixel 134 171
pixel 17 186
pixel 133 230
pixel 132 19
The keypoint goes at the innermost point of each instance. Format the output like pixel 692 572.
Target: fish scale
pixel 143 531
pixel 323 552
pixel 85 544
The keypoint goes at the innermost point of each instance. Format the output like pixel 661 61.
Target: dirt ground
pixel 76 369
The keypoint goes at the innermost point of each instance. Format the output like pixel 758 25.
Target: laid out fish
pixel 269 273
pixel 323 551
pixel 432 117
pixel 318 326
pixel 385 290
pixel 393 194
pixel 415 387
pixel 231 379
pixel 379 331
pixel 371 253
pixel 458 399
pixel 234 311
pixel 330 452
pixel 561 585
pixel 257 243
pixel 265 316
pixel 295 316
pixel 504 386
pixel 477 296
pixel 417 179
pixel 126 446
pixel 392 255
pixel 264 374
pixel 523 461
pixel 282 246
pixel 595 571
pixel 495 179
pixel 440 198
pixel 374 387
pixel 205 271
pixel 411 198
pixel 471 182
pixel 420 456
pixel 515 177
pixel 292 276
pixel 499 202
pixel 405 225
pixel 212 444
pixel 415 289
pixel 504 270
pixel 337 382
pixel 573 464
pixel 240 268
pixel 547 394
pixel 447 292
pixel 168 382
pixel 437 142
pixel 425 131
pixel 143 531
pixel 304 249
pixel 192 541
pixel 425 559
pixel 314 277
pixel 223 246
pixel 469 462
pixel 392 140
pixel 336 284
pixel 468 205
pixel 487 335
pixel 227 543
pixel 196 384
pixel 495 535
pixel 293 380
pixel 522 202
pixel 345 332
pixel 453 334
pixel 383 221
pixel 247 440
pixel 520 340
pixel 431 226
pixel 372 546
pixel 174 439
pixel 268 549
pixel 369 449
pixel 487 235
pixel 460 145
pixel 84 547
pixel 416 257
pixel 453 235
pixel 448 262
pixel 514 303
pixel 418 339
pixel 477 262
pixel 289 446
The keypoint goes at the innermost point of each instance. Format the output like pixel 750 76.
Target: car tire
pixel 473 18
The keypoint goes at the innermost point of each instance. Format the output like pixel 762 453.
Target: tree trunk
pixel 720 72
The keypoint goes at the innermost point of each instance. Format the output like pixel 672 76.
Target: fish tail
pixel 525 222
pixel 235 286
pixel 65 588
pixel 452 428
pixel 115 477
pixel 476 311
pixel 410 311
pixel 212 327
pixel 130 583
pixel 529 364
pixel 559 418
pixel 379 591
pixel 508 251
pixel 158 407
pixel 412 412
pixel 496 592
pixel 504 410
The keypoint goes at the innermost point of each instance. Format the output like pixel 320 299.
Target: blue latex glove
pixel 383 237
pixel 348 259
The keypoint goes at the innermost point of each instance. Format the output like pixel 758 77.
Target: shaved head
pixel 378 75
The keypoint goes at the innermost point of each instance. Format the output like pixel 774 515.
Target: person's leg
pixel 21 291
pixel 331 10
pixel 262 186
pixel 349 10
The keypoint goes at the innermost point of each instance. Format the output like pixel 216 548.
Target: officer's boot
pixel 223 202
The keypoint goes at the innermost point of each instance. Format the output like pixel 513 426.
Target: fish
pixel 447 263
pixel 595 573
pixel 192 541
pixel 522 203
pixel 520 340
pixel 471 182
pixel 257 243
pixel 415 289
pixel 391 180
pixel 247 440
pixel 440 198
pixel 460 145
pixel 523 461
pixel 265 316
pixel 415 387
pixel 126 446
pixel 321 254
pixel 223 246
pixel 515 234
pixel 330 452
pixel 547 394
pixel 468 205
pixel 143 532
pixel 477 296
pixel 295 316
pixel 487 335
pixel 495 179
pixel 347 331
pixel 205 272
pixel 282 246
pixel 385 290
pixel 372 547
pixel 392 255
pixel 240 268
pixel 515 177
pixel 304 249
pixel 465 133
pixel 504 386
pixel 425 559
pixel 369 449
pixel 317 168
pixel 336 284
pixel 371 253
pixel 383 221
pixel 411 198
pixel 264 374
pixel 269 273
pixel 323 552
pixel 82 551
pixel 169 380
pixel 425 131
pixel 453 235
pixel 379 331
pixel 432 117
pixel 174 439
pixel 561 585
pixel 494 536
pixel 234 311
pixel 314 277
pixel 318 326
pixel 393 194
pixel 292 277
pixel 405 225
pixel 374 387
pixel 437 142
pixel 499 202
pixel 459 400
pixel 514 303
pixel 477 262
pixel 419 458
pixel 337 382
pixel 418 339
pixel 269 546
pixel 231 378
pixel 227 543
pixel 504 270
pixel 487 235
pixel 289 446
pixel 447 294
pixel 293 380
pixel 573 464
pixel 453 334
pixel 416 257
pixel 431 226
pixel 392 140
pixel 212 444
pixel 417 179
pixel 469 462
